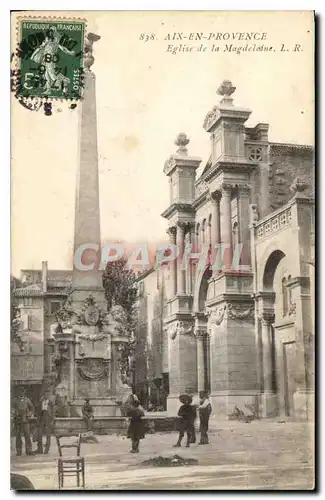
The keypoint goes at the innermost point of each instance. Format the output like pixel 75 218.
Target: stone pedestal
pixel 182 362
pixel 304 405
pixel 268 405
pixel 233 358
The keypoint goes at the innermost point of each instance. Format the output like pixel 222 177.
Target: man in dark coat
pixel 88 414
pixel 23 410
pixel 187 415
pixel 204 410
pixel 136 430
pixel 45 418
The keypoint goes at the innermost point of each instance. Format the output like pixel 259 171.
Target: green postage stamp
pixel 51 58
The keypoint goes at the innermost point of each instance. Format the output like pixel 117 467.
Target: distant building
pixel 40 297
pixel 244 334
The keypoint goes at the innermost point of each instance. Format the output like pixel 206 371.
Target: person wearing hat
pixel 45 416
pixel 205 410
pixel 88 414
pixel 187 415
pixel 23 411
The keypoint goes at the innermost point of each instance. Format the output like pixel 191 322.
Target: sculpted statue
pixel 88 50
pixel 116 322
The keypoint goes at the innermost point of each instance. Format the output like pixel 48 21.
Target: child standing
pixel 187 414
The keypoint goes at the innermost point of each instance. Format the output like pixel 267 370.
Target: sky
pixel 145 97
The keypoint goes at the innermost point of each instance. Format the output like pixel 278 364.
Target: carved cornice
pixel 180 161
pixel 178 207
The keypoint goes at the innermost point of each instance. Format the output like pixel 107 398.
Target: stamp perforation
pixel 16 60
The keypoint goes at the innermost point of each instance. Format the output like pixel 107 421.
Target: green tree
pixel 15 335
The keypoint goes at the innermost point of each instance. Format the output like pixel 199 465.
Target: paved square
pixel 260 455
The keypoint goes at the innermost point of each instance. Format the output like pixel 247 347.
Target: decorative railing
pixel 274 223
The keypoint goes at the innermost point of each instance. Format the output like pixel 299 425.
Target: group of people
pixel 186 422
pixel 23 411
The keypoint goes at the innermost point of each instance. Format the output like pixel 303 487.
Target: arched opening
pixel 203 343
pixel 277 333
pixel 270 268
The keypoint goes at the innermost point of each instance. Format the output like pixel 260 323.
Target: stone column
pixel 267 353
pixel 244 221
pixel 189 273
pixel 180 245
pixel 225 222
pixel 215 223
pixel 173 265
pixel 200 334
pixel 268 398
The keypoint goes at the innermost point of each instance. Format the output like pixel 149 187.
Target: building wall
pixel 287 162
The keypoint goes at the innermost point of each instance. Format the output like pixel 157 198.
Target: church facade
pixel 237 318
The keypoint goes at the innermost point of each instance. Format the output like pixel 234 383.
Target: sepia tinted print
pixel 163 250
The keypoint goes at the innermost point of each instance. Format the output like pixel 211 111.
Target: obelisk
pixel 87 239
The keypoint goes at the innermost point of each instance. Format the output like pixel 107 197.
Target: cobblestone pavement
pixel 259 455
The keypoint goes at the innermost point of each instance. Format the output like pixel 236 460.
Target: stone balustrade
pixel 276 222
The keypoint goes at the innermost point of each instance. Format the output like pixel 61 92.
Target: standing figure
pixel 205 410
pixel 88 414
pixel 136 427
pixel 187 414
pixel 47 56
pixel 23 411
pixel 45 415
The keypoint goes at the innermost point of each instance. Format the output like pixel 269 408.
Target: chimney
pixel 44 275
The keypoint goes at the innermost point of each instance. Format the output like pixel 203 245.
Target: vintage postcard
pixel 163 235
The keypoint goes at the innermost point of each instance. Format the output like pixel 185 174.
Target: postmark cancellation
pixel 49 57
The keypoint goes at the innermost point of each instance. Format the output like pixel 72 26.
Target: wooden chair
pixel 70 466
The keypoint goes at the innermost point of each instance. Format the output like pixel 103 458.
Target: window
pixel 197 236
pixel 55 305
pixel 209 230
pixel 255 154
pixel 204 230
pixel 28 301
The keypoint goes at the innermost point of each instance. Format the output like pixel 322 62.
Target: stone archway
pixel 276 330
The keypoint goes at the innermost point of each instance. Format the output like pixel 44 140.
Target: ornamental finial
pixel 226 89
pixel 182 141
pixel 88 50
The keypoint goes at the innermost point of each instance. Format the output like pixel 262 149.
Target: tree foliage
pixel 120 289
